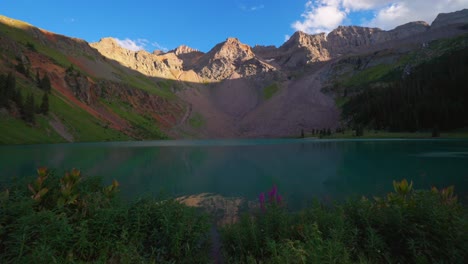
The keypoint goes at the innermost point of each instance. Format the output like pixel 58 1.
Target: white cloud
pixel 129 44
pixel 391 16
pixel 355 5
pixel 325 15
pixel 286 38
pixel 139 44
pixel 404 11
pixel 251 8
pixel 157 46
pixel 320 16
pixel 254 8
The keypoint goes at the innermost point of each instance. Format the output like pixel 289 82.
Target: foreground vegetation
pixel 404 227
pixel 74 219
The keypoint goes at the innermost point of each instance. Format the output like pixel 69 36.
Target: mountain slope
pixel 92 97
pixel 101 91
pixel 433 95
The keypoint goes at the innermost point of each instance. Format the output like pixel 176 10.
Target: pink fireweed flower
pixel 261 199
pixel 272 193
pixel 279 199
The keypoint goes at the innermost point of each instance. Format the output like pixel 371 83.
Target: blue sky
pixel 202 24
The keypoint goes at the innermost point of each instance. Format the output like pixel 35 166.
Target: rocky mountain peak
pixel 345 38
pixel 107 42
pixel 413 25
pixel 228 58
pixel 302 49
pixel 353 31
pixel 444 19
pixel 232 40
pixel 233 57
pixel 183 49
pixel 158 52
pixel 301 39
pixel 232 49
pixel 151 64
pixel 401 32
pixel 228 52
pixel 110 48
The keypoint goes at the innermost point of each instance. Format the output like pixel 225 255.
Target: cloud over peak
pixel 134 45
pixel 139 44
pixel 320 17
pixel 326 15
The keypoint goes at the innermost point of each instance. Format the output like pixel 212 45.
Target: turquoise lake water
pixel 302 169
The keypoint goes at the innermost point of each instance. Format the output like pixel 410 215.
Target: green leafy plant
pixel 37 189
pixel 68 186
pixel 78 220
pixel 406 226
pixel 402 187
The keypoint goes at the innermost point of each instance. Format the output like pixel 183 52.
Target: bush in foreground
pixel 76 220
pixel 407 226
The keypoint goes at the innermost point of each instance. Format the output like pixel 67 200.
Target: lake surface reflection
pixel 302 169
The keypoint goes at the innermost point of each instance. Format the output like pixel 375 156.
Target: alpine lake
pixel 227 176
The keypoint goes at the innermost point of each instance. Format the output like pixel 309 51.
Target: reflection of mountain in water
pixel 224 210
pixel 302 169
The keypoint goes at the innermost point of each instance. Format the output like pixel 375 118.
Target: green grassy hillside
pixel 84 104
pixel 81 125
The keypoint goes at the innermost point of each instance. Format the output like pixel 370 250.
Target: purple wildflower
pixel 272 193
pixel 279 199
pixel 261 199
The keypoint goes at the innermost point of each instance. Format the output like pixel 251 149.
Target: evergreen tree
pixel 359 131
pixel 3 98
pixel 45 83
pixel 20 67
pixel 10 86
pixel 7 89
pixel 38 79
pixel 29 109
pixel 70 69
pixel 18 99
pixel 435 131
pixel 45 104
pixel 31 46
pixel 436 92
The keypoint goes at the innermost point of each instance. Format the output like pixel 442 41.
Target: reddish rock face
pixel 239 91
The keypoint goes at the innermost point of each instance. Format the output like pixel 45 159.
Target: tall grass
pixel 74 219
pixel 406 226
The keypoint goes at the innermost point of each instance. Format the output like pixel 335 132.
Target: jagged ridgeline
pixel 101 91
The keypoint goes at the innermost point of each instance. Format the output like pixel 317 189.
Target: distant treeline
pixel 11 97
pixel 433 95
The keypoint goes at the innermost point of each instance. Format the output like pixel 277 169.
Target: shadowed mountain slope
pixel 101 91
